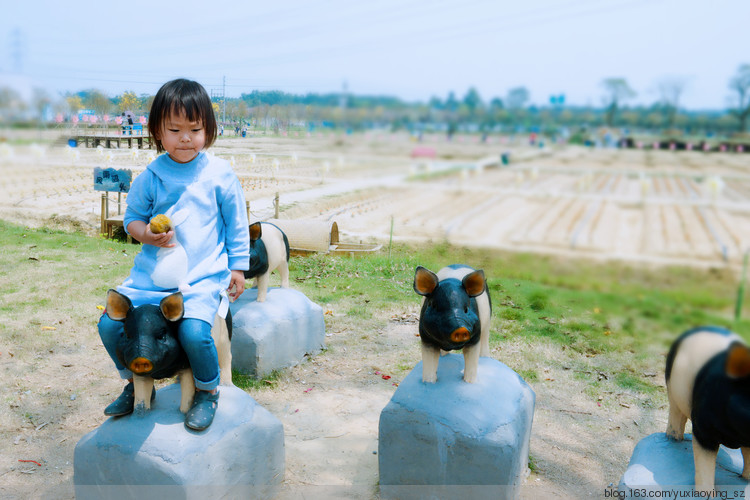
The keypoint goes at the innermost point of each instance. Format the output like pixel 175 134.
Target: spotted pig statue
pixel 269 250
pixel 456 312
pixel 151 350
pixel 708 382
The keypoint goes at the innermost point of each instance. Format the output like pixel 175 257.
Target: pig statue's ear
pixel 255 231
pixel 172 307
pixel 118 305
pixel 738 361
pixel 425 281
pixel 474 283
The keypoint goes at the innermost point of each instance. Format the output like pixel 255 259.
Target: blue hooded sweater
pixel 206 204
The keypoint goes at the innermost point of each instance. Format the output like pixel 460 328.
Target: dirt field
pixel 650 207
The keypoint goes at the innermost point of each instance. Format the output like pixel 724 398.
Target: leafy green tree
pixel 435 103
pixel 74 103
pixel 128 101
pixel 472 100
pixel 451 103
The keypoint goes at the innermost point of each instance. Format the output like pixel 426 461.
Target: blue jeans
pixel 195 338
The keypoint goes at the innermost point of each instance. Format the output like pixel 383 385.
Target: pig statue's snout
pixel 460 335
pixel 141 366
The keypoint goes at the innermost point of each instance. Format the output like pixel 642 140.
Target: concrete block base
pixel 660 464
pixel 438 436
pixel 241 455
pixel 274 334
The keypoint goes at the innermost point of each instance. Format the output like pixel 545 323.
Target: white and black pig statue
pixel 708 381
pixel 269 251
pixel 151 350
pixel 456 314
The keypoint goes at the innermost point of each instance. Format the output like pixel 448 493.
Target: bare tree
pixel 517 97
pixel 617 90
pixel 42 101
pixel 740 86
pixel 670 91
pixel 97 101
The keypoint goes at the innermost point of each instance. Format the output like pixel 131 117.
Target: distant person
pixel 204 194
pixel 130 124
pixel 124 125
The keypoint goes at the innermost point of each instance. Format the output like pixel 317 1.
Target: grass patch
pixel 529 375
pixel 248 382
pixel 634 383
pixel 604 317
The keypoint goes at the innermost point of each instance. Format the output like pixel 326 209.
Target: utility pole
pixel 222 98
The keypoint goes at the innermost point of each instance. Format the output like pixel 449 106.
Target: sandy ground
pixel 657 207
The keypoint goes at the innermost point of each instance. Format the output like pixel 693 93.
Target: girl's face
pixel 181 138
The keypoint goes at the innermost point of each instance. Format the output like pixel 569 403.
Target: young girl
pixel 203 255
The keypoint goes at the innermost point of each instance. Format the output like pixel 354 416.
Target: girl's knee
pixel 194 332
pixel 109 329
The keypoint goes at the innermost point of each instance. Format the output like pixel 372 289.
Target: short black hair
pixel 181 96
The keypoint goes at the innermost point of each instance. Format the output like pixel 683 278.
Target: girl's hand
pixel 238 283
pixel 142 232
pixel 161 240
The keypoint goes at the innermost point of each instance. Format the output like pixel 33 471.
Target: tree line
pixel 278 111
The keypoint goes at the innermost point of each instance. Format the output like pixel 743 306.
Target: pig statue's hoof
pixel 124 404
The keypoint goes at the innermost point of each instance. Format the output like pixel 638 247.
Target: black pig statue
pixel 151 350
pixel 708 381
pixel 456 313
pixel 269 250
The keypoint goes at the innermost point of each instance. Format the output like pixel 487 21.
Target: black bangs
pixel 178 97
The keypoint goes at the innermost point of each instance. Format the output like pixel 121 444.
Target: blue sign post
pixel 110 179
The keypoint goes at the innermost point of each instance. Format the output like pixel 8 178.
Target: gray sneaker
pixel 201 414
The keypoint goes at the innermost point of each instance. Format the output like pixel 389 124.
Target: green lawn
pixel 603 317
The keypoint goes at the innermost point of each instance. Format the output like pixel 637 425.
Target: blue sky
pixel 412 49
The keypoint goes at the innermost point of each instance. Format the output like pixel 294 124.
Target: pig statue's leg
pixel 220 335
pixel 471 363
pixel 430 358
pixel 746 459
pixel 187 389
pixel 676 424
pixel 485 317
pixel 705 466
pixel 142 388
pixel 484 341
pixel 262 281
pixel 284 272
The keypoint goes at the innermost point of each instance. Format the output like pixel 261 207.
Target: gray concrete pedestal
pixel 274 334
pixel 663 468
pixel 455 438
pixel 241 455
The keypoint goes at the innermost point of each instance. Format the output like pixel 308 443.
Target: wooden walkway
pixel 92 140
